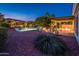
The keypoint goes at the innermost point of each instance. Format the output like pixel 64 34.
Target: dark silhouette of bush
pixel 50 45
pixel 6 25
pixel 3 38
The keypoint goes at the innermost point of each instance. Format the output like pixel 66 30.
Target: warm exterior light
pixel 67 29
pixel 44 29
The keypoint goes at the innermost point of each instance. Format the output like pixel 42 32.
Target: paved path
pixel 21 43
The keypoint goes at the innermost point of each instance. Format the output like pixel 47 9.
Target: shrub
pixel 50 45
pixel 6 25
pixel 3 37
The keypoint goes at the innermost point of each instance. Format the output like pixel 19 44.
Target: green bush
pixel 6 25
pixel 3 38
pixel 50 45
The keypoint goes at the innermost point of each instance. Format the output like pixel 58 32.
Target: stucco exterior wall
pixel 76 14
pixel 63 28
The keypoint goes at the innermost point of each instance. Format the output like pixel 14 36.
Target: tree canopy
pixel 44 20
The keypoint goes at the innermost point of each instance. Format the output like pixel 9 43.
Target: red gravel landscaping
pixel 21 43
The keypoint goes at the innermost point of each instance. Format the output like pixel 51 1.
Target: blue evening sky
pixel 30 11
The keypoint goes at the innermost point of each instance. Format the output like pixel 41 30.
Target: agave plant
pixel 50 45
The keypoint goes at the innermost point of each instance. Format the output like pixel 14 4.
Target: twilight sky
pixel 30 11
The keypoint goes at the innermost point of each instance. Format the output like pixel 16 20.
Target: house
pixel 75 12
pixel 13 23
pixel 62 25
